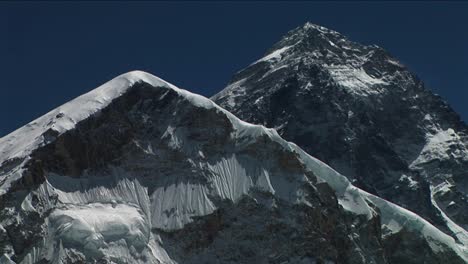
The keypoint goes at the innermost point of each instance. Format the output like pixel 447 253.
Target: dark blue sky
pixel 52 52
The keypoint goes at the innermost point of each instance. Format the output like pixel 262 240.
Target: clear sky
pixel 52 52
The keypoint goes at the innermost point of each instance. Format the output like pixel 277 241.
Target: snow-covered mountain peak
pixel 315 50
pixel 310 37
pixel 315 44
pixel 310 26
pixel 21 141
pixel 16 146
pixel 374 120
pixel 145 172
pixel 138 75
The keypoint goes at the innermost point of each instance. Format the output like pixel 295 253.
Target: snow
pixel 26 204
pixel 125 191
pixel 443 188
pixel 174 206
pixel 231 180
pixel 427 117
pixel 355 79
pixel 232 91
pixel 395 62
pixel 355 200
pixel 5 259
pixel 348 196
pixel 109 218
pixel 459 232
pixel 159 252
pixel 273 68
pixel 411 182
pixel 275 55
pixel 258 100
pixel 331 43
pixel 7 178
pixel 95 224
pixel 322 30
pixel 235 178
pixel 32 257
pixel 393 217
pixel 441 145
pixel 22 141
pixel 391 227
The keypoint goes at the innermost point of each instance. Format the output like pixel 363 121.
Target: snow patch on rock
pixel 275 55
pixel 441 145
pixel 357 80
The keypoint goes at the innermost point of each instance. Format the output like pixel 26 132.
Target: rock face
pixel 139 171
pixel 358 109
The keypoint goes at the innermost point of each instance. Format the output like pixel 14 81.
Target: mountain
pixel 139 171
pixel 358 109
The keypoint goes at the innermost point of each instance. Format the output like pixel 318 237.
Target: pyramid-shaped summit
pixel 358 109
